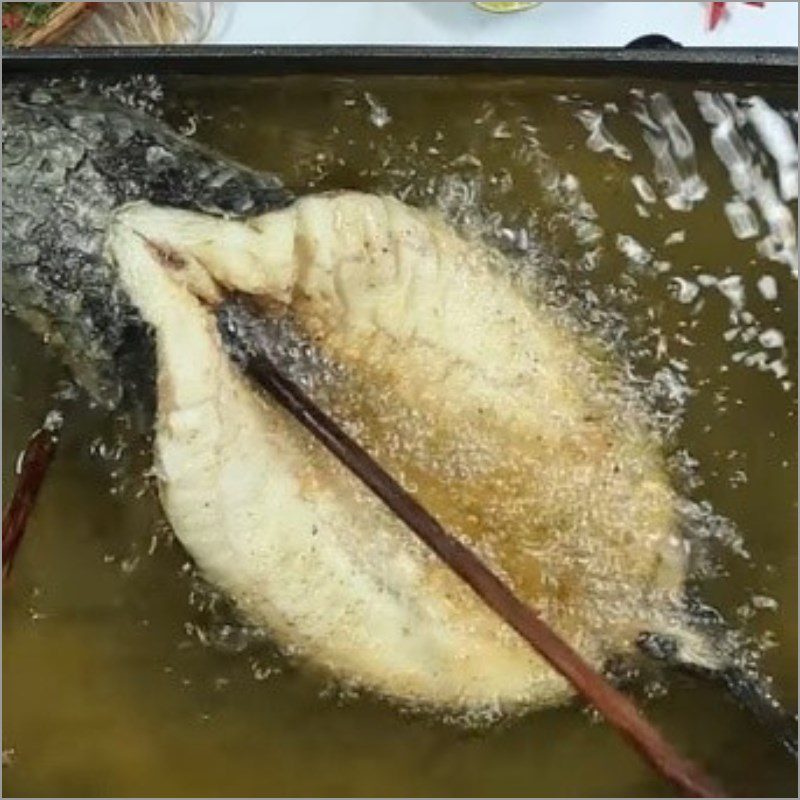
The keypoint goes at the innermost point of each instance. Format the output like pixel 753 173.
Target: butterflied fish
pixel 458 383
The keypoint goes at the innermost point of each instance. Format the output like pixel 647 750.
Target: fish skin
pixel 70 157
pixel 560 488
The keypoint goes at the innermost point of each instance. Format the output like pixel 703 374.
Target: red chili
pixel 717 12
pixel 11 20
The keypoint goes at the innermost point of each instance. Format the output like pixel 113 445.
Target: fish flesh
pixel 123 240
pixel 459 384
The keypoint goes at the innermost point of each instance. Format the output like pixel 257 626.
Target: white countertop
pixel 554 24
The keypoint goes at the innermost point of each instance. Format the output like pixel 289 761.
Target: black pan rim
pixel 734 64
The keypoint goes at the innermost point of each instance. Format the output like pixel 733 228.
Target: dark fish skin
pixel 70 157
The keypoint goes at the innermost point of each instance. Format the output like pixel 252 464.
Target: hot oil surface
pixel 121 676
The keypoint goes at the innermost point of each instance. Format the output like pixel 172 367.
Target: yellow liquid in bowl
pixel 505 8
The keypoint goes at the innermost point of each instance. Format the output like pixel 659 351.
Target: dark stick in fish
pixel 614 706
pixel 36 460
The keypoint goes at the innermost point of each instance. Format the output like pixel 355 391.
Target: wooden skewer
pixel 35 462
pixel 60 23
pixel 612 704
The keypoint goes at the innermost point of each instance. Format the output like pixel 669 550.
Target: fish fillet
pixel 462 386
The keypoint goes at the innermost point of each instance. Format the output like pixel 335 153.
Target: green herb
pixel 20 19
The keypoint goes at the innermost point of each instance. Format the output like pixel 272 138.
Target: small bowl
pixel 505 8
